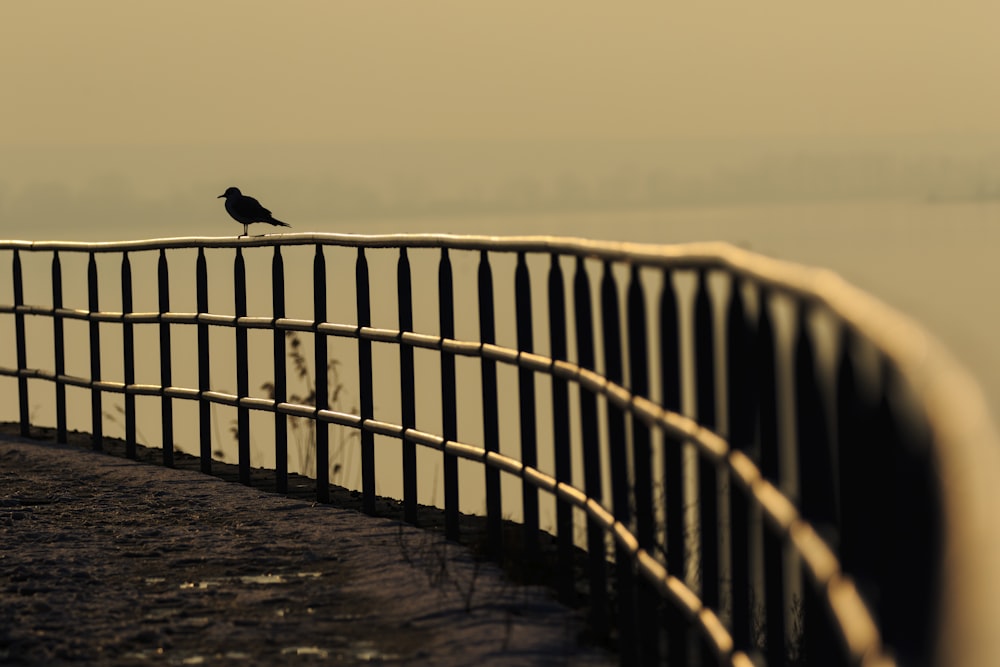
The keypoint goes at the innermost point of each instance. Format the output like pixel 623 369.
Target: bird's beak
pixel 220 196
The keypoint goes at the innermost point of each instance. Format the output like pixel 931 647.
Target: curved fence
pixel 760 463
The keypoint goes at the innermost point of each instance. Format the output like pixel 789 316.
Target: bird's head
pixel 230 192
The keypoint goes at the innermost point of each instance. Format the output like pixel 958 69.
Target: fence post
pixel 561 432
pixel 96 413
pixel 770 465
pixel 242 367
pixel 741 395
pixel 817 464
pixel 881 533
pixel 365 385
pixel 407 392
pixel 166 408
pixel 22 346
pixel 642 458
pixel 280 374
pixel 449 417
pixel 322 392
pixel 912 507
pixel 128 362
pixel 491 419
pixel 620 487
pixel 526 393
pixel 865 478
pixel 673 464
pixel 204 365
pixel 60 349
pixel 596 542
pixel 708 480
pixel 817 490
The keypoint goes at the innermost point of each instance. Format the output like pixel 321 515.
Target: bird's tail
pixel 278 223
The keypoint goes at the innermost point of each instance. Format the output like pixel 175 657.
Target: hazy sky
pixel 116 72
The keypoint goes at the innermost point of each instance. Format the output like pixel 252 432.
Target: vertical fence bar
pixel 596 542
pixel 22 346
pixel 365 385
pixel 561 433
pixel 204 365
pixel 817 486
pixel 642 457
pixel 280 388
pixel 242 367
pixel 854 420
pixel 770 464
pixel 863 473
pixel 708 476
pixel 322 390
pixel 166 406
pixel 449 416
pixel 620 483
pixel 673 464
pixel 128 352
pixel 890 549
pixel 96 413
pixel 60 349
pixel 407 391
pixel 491 417
pixel 913 547
pixel 817 464
pixel 880 527
pixel 741 397
pixel 848 414
pixel 526 393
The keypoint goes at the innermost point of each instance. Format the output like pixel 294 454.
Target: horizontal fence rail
pixel 752 461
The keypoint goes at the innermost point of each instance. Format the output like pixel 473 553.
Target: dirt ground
pixel 107 561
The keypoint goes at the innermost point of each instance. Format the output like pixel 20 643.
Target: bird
pixel 247 210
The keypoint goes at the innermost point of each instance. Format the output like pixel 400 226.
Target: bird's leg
pixel 245 230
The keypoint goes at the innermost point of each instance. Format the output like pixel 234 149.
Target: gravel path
pixel 106 561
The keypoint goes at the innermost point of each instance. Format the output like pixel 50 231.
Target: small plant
pixel 303 428
pixel 118 419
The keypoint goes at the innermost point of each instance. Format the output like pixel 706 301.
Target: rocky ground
pixel 107 561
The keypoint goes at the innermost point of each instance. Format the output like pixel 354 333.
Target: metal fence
pixel 761 463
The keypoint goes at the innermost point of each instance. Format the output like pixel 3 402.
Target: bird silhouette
pixel 247 210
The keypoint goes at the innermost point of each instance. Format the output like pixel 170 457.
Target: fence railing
pixel 759 461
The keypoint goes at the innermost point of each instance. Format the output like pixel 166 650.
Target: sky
pixel 400 109
pixel 114 72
